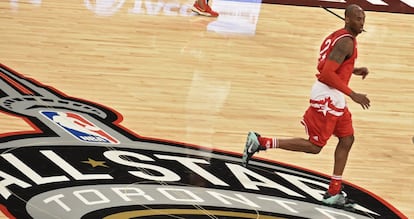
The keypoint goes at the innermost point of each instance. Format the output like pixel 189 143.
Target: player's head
pixel 354 19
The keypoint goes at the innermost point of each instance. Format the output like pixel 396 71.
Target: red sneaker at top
pixel 205 12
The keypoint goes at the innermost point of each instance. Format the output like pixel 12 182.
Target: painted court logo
pixel 79 127
pixel 78 162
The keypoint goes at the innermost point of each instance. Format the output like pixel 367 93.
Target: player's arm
pixel 362 71
pixel 343 48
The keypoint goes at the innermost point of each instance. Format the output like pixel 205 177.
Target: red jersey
pixel 328 113
pixel 347 67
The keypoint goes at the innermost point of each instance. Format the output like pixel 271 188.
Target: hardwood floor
pixel 208 81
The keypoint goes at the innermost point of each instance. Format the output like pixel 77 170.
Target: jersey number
pixel 322 53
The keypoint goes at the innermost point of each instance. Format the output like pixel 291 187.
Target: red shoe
pixel 205 12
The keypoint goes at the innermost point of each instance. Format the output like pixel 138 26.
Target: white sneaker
pixel 338 200
pixel 252 146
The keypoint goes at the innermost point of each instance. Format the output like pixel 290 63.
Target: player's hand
pixel 362 99
pixel 363 71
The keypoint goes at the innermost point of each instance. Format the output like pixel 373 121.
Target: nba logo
pixel 79 127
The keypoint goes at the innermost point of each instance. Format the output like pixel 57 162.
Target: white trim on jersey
pixel 321 91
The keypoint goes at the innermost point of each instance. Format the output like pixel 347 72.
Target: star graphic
pixel 95 163
pixel 324 108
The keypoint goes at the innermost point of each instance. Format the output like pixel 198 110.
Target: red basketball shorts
pixel 321 126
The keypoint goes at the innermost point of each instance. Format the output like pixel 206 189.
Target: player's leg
pixel 344 131
pixel 334 195
pixel 341 157
pixel 299 144
pixel 316 126
pixel 341 154
pixel 256 143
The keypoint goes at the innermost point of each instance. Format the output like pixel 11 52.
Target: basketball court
pixel 140 109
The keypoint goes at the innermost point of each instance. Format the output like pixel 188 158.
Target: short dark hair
pixel 350 9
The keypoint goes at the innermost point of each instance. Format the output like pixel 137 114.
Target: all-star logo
pixel 79 163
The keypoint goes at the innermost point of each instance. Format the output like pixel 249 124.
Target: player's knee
pixel 314 149
pixel 347 141
pixel 352 139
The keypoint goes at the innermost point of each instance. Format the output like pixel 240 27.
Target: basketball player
pixel 328 113
pixel 202 7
